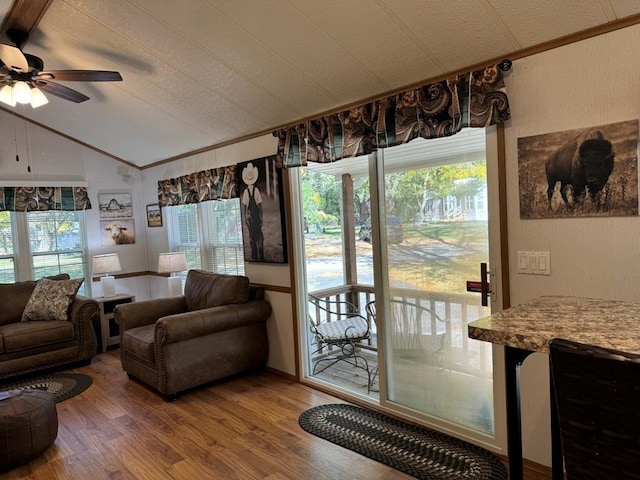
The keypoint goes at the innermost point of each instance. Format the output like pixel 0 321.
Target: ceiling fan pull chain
pixel 26 137
pixel 15 134
pixel 28 141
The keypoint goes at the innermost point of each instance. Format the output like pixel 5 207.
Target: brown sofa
pixel 42 344
pixel 216 329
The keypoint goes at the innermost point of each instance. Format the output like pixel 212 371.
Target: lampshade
pixel 21 92
pixel 10 95
pixel 6 96
pixel 172 262
pixel 38 98
pixel 106 263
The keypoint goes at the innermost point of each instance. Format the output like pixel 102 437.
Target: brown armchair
pixel 216 329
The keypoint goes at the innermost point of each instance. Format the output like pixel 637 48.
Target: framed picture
pixel 115 205
pixel 117 232
pixel 585 172
pixel 262 211
pixel 154 215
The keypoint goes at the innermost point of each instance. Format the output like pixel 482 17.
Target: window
pixel 468 203
pixel 450 203
pixel 184 232
pixel 210 234
pixel 57 243
pixel 44 243
pixel 7 251
pixel 223 235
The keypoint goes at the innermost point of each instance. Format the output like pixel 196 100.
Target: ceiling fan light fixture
pixel 6 96
pixel 21 92
pixel 38 98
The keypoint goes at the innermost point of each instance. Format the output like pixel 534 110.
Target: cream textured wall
pixel 589 83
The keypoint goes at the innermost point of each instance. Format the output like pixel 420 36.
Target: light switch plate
pixel 534 263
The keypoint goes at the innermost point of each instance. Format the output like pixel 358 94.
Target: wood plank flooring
pixel 243 428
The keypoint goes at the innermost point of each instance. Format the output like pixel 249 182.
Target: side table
pixel 109 332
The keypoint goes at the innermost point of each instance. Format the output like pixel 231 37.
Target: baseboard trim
pixel 282 374
pixel 536 471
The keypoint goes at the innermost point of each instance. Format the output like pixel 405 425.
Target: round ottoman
pixel 28 425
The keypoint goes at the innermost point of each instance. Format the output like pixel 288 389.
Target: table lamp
pixel 107 263
pixel 172 262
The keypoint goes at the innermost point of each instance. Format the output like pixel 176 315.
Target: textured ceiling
pixel 199 73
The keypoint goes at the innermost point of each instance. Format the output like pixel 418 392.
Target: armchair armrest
pixel 137 314
pixel 82 312
pixel 184 326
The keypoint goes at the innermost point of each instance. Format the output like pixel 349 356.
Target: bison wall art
pixel 583 172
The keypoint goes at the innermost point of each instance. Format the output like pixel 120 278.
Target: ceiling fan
pixel 25 79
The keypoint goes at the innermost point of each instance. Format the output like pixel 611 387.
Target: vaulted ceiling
pixel 203 73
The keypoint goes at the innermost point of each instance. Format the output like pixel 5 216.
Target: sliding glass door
pixel 397 235
pixel 433 237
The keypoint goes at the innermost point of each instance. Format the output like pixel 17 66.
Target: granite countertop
pixel 532 325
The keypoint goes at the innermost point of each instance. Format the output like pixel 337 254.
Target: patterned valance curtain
pixel 475 99
pixel 40 199
pixel 212 184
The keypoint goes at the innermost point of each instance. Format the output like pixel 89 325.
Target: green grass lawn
pixel 46 265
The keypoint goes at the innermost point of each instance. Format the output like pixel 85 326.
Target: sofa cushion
pixel 139 342
pixel 205 289
pixel 25 335
pixel 50 299
pixel 15 296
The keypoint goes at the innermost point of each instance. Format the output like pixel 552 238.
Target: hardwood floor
pixel 243 428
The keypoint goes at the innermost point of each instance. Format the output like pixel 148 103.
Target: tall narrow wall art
pixel 262 211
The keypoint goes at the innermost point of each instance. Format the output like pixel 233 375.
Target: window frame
pixel 25 267
pixel 207 244
pixel 6 277
pixel 81 251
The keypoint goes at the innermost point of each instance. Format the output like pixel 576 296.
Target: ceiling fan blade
pixel 61 91
pixel 13 58
pixel 82 75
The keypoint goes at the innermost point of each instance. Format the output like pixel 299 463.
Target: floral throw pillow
pixel 50 299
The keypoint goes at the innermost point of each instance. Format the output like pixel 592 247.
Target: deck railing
pixel 452 311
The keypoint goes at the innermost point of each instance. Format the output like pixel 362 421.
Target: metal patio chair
pixel 337 328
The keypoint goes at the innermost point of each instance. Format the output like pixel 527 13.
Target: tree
pixel 407 193
pixel 6 245
pixel 321 197
pixel 361 200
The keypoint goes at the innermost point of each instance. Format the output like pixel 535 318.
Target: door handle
pixel 482 287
